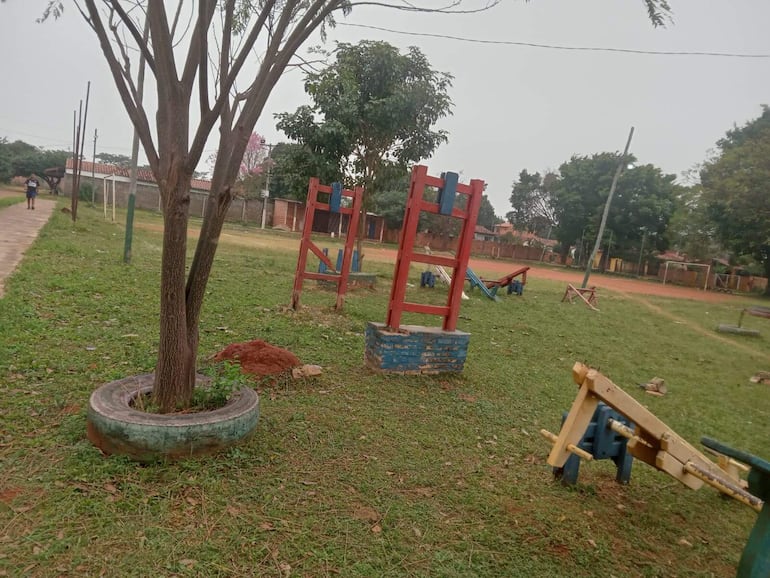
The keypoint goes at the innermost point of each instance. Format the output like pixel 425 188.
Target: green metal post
pixel 129 228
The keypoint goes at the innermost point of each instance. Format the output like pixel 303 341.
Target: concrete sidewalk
pixel 19 227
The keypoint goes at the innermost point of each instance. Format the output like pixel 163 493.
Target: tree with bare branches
pixel 210 66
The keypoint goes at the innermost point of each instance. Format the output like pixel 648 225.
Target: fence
pixel 718 281
pixel 148 197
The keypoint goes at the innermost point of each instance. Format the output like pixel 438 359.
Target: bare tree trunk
pixel 176 353
pixel 203 261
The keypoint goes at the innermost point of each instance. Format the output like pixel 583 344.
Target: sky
pixel 515 107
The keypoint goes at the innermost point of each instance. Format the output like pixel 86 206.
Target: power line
pixel 556 46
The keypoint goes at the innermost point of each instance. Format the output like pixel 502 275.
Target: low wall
pixel 148 198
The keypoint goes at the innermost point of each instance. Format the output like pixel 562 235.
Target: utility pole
pixel 641 252
pixel 621 166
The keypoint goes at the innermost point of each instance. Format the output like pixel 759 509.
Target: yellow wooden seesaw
pixel 651 441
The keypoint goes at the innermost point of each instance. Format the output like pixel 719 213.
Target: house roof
pixel 671 256
pixel 482 230
pixel 144 175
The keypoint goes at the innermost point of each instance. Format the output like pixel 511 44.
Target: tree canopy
pixel 373 107
pixel 573 200
pixel 736 190
pixel 642 205
pixel 19 158
pixel 533 207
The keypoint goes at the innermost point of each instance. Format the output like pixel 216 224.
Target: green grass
pixel 10 200
pixel 356 473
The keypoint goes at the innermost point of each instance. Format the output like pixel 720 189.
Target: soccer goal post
pixel 685 267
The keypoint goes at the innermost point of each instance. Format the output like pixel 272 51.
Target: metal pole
pixel 82 144
pixel 641 252
pixel 93 159
pixel 135 159
pixel 93 170
pixel 598 243
pixel 267 187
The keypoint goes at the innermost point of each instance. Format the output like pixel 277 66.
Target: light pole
pixel 266 193
pixel 621 165
pixel 641 252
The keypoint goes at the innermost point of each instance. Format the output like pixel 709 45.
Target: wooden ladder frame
pixel 448 185
pixel 340 278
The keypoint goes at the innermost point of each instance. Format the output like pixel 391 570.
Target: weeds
pixel 225 379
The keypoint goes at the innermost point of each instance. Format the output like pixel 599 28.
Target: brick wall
pixel 148 197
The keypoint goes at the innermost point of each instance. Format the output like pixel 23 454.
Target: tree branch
pixel 411 8
pixel 137 114
pixel 126 19
pixel 207 121
pixel 196 56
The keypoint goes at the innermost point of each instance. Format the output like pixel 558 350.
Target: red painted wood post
pixel 463 253
pixel 406 246
pixel 350 239
pixel 340 278
pixel 307 229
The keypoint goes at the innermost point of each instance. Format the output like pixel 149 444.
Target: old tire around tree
pixel 116 427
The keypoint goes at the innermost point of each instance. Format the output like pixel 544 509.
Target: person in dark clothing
pixel 32 185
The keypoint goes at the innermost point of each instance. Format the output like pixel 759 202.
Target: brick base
pixel 415 349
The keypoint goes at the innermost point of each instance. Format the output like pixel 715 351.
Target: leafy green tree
pixel 736 190
pixel 293 165
pixel 691 230
pixel 641 208
pixel 532 204
pixel 487 217
pixel 19 158
pixel 114 159
pixel 378 108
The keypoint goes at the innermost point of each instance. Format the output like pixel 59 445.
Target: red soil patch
pixel 258 357
pixel 7 495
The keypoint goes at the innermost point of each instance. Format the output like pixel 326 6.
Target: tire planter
pixel 115 427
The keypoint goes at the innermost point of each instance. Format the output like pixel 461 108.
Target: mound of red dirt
pixel 258 357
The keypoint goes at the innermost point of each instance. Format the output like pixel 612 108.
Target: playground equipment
pixel 448 186
pixel 654 443
pixel 442 274
pixel 587 295
pixel 755 311
pixel 339 275
pixel 477 282
pixel 322 268
pixel 394 347
pixel 510 281
pixel 606 437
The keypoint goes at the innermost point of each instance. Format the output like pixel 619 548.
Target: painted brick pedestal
pixel 415 349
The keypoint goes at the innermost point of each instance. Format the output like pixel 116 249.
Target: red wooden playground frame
pixel 448 185
pixel 336 193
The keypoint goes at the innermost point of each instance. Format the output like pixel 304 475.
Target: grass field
pixel 356 473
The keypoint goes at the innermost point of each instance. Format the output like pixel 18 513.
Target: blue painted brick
pixel 415 349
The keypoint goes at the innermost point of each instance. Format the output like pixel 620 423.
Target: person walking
pixel 32 185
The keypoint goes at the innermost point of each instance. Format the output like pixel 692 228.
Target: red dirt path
pixel 495 269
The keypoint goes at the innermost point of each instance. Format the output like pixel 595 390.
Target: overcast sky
pixel 515 107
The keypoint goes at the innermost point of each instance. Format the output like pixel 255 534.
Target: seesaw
pixel 653 442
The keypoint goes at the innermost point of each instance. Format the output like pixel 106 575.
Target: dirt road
pixel 490 268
